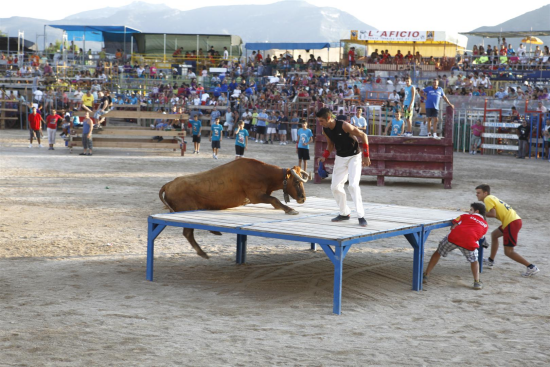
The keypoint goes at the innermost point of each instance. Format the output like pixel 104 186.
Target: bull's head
pixel 295 187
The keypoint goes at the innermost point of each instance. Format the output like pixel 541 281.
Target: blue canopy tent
pixel 97 33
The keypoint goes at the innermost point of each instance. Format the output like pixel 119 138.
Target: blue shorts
pixel 432 112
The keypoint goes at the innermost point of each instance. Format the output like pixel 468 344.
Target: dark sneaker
pixel 340 218
pixel 478 285
pixel 362 222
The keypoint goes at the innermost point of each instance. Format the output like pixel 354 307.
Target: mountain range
pixel 534 20
pixel 284 21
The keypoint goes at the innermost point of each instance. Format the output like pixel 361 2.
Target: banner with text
pixel 404 36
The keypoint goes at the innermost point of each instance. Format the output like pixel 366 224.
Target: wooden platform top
pixel 314 218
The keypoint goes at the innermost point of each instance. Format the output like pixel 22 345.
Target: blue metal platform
pixel 312 226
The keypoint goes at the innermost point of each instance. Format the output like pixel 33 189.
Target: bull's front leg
pixel 267 199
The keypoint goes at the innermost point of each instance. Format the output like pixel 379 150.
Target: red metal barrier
pixel 399 156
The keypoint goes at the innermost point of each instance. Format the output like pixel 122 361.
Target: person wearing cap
pixel 433 94
pixel 351 156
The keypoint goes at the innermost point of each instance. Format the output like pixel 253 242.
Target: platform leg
pixel 379 180
pixel 480 258
pixel 313 247
pixel 153 230
pixel 417 241
pixel 447 183
pixel 241 249
pixel 338 270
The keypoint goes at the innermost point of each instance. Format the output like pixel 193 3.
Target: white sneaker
pixel 30 145
pixel 530 272
pixel 475 152
pixel 471 152
pixel 40 146
pixel 435 136
pixel 215 156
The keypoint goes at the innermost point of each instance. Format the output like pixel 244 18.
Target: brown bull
pixel 234 184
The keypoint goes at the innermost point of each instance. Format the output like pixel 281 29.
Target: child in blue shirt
pixel 241 140
pixel 302 147
pixel 196 131
pixel 397 125
pixel 216 137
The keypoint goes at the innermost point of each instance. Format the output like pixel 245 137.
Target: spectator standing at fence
pixel 433 96
pixel 35 126
pixel 254 123
pixel 523 131
pixel 196 125
pixel 261 126
pixel 305 137
pixel 294 124
pixel 466 232
pixel 408 105
pixel 477 131
pixel 87 143
pixel 51 126
pixel 215 114
pixel 359 121
pixel 241 140
pixel 216 137
pixel 509 230
pixel 247 118
pixel 271 127
pixel 282 127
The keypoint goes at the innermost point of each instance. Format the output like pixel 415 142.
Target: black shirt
pixel 346 145
pixel 524 132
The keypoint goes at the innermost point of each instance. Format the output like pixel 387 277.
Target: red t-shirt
pixel 34 121
pixel 51 121
pixel 470 228
pixel 351 55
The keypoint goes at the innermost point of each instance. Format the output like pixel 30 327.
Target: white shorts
pixel 271 130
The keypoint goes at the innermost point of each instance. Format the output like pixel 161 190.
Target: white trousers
pixel 294 134
pixel 345 167
pixel 51 135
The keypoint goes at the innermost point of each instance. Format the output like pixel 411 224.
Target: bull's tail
pixel 161 196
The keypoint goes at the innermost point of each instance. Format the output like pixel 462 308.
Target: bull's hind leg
pixel 217 233
pixel 189 234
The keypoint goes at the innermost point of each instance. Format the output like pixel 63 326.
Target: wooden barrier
pixel 4 110
pixel 131 137
pixel 400 156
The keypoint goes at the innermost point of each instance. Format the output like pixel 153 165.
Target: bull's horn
pixel 296 176
pixel 304 175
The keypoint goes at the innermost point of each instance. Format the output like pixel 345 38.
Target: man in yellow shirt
pixel 511 224
pixel 88 101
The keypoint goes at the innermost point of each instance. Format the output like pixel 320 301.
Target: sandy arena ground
pixel 73 291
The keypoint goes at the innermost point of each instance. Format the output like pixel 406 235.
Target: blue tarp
pixel 95 33
pixel 287 46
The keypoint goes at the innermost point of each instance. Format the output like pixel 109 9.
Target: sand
pixel 73 291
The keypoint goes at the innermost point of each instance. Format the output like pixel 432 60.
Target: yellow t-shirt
pixel 505 213
pixel 88 101
pixel 255 118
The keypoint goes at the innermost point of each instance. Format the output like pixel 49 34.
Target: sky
pixel 456 16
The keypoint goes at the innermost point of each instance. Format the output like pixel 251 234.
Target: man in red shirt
pixel 35 126
pixel 351 56
pixel 466 231
pixel 51 127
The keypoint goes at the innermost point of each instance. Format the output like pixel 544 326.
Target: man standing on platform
pixel 350 158
pixel 408 105
pixel 433 95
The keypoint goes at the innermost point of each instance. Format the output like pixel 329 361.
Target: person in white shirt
pixel 191 75
pixel 225 54
pixel 197 100
pixel 521 50
pixel 140 71
pixel 394 97
pixel 205 97
pixel 483 81
pixel 359 121
pixel 38 95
